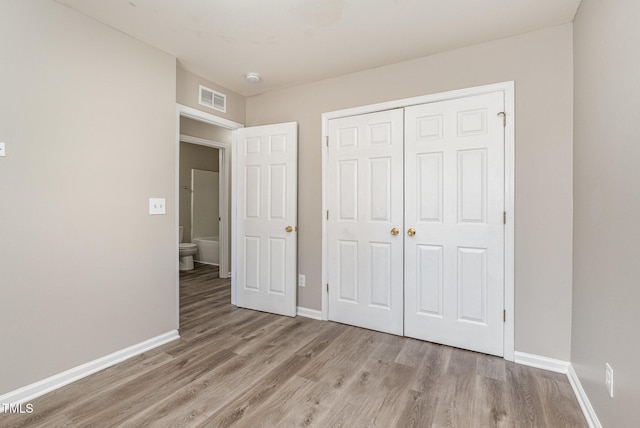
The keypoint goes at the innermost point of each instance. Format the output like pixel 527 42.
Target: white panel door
pixel 266 198
pixel 454 203
pixel 364 179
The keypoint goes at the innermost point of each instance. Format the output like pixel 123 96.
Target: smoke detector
pixel 253 77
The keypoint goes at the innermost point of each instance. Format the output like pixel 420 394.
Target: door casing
pixel 508 88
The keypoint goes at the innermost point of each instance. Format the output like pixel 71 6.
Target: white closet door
pixel 266 195
pixel 365 202
pixel 454 201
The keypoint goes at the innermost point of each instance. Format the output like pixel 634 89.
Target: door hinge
pixel 327 287
pixel 504 118
pixel 504 217
pixel 326 140
pixel 327 214
pixel 504 315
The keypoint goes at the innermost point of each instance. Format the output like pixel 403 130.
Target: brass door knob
pixel 411 232
pixel 288 229
pixel 395 231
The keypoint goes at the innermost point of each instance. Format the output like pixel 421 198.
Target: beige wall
pixel 88 116
pixel 187 87
pixel 607 206
pixel 192 156
pixel 540 63
pixel 206 131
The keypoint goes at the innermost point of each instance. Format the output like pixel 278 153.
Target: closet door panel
pixel 454 201
pixel 365 202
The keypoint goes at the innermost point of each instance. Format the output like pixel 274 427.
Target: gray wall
pixel 88 115
pixel 607 206
pixel 541 65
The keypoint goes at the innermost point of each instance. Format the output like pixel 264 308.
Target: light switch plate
pixel 157 206
pixel 2 151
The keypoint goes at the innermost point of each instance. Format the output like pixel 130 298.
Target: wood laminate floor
pixel 236 367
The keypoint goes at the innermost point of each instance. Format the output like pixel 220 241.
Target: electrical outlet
pixel 2 149
pixel 608 379
pixel 300 280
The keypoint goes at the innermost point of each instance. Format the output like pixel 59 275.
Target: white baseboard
pixel 566 368
pixel 29 392
pixel 540 362
pixel 583 400
pixel 309 313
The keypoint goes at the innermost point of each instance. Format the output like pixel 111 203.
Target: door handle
pixel 395 231
pixel 411 232
pixel 288 229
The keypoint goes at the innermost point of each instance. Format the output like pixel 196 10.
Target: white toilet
pixel 186 252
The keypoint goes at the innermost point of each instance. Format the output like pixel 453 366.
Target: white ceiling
pixel 290 42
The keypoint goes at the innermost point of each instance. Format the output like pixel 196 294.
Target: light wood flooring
pixel 236 367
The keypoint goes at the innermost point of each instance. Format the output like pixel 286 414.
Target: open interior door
pixel 266 215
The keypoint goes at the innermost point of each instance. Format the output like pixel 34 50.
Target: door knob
pixel 411 232
pixel 288 229
pixel 395 231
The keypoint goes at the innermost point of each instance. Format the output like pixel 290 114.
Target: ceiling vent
pixel 213 99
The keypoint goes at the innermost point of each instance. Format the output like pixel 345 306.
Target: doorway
pixel 202 193
pixel 224 144
pixel 202 152
pixel 245 205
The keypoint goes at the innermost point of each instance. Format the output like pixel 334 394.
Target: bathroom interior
pixel 199 193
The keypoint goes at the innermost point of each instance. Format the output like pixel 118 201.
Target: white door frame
pixel 508 88
pixel 226 172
